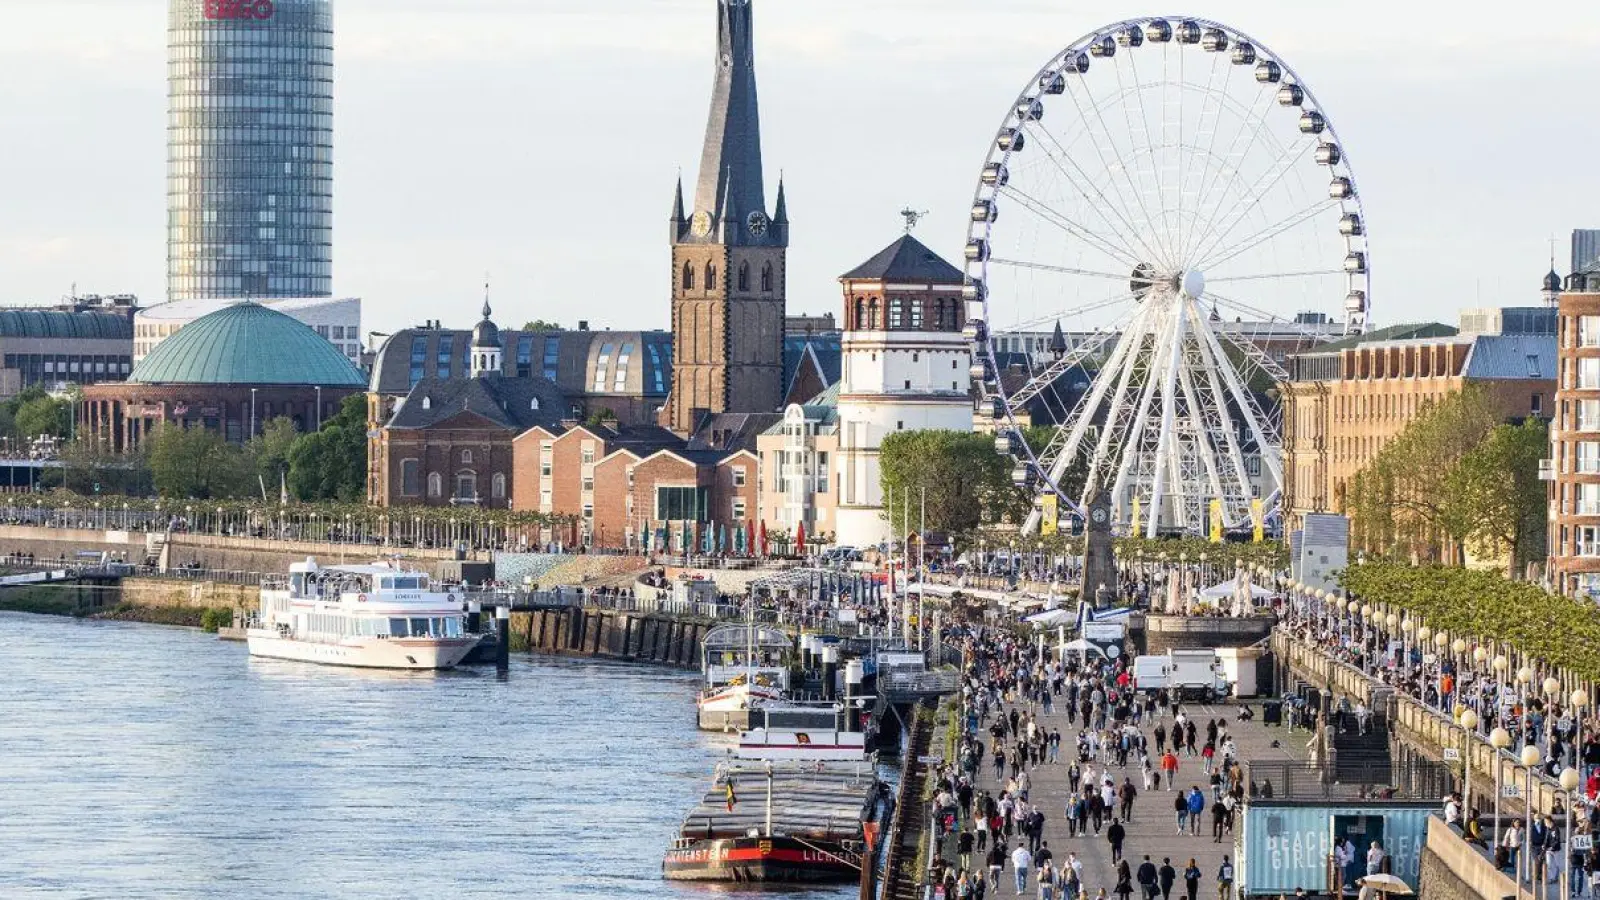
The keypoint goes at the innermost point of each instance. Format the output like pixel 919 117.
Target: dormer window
pixel 533 404
pixel 427 402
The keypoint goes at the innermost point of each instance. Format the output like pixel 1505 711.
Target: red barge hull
pixel 777 860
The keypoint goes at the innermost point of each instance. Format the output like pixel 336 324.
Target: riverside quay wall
pixel 610 634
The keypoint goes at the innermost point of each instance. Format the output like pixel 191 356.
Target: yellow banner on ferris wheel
pixel 1216 521
pixel 1050 515
pixel 1133 530
pixel 1258 518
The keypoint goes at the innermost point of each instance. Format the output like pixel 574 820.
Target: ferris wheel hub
pixel 1193 284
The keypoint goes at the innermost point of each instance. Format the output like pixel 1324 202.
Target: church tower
pixel 728 253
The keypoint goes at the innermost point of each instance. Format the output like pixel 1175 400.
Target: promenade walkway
pixel 1152 829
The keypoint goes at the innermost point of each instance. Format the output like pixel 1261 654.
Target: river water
pixel 142 761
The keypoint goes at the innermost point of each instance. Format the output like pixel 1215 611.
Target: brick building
pixel 1345 401
pixel 449 441
pixel 1574 467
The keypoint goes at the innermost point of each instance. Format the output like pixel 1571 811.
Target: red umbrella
pixel 750 537
pixel 800 538
pixel 762 537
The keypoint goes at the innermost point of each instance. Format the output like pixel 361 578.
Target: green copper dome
pixel 246 344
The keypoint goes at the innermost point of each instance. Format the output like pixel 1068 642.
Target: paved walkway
pixel 1153 829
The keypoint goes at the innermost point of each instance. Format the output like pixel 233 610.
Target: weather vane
pixel 912 217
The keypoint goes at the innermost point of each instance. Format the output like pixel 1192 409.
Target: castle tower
pixel 728 254
pixel 906 367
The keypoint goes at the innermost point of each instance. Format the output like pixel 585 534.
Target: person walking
pixel 1197 805
pixel 1148 879
pixel 997 861
pixel 1021 861
pixel 1166 875
pixel 1124 887
pixel 1219 815
pixel 1115 835
pixel 1126 794
pixel 1191 880
pixel 1225 880
pixel 1180 805
pixel 964 843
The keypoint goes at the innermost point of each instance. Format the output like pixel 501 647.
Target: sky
pixel 538 141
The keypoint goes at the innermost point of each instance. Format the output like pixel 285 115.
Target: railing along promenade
pixel 1423 729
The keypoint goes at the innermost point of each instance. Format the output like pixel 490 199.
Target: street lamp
pixel 1569 785
pixel 1530 758
pixel 319 407
pixel 1499 739
pixel 1469 727
pixel 252 412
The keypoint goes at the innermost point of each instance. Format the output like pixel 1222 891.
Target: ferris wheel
pixel 1168 201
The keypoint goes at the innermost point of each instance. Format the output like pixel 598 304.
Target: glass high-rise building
pixel 249 148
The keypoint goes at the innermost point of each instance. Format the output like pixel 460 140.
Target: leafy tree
pixel 962 475
pixel 196 463
pixel 1400 502
pixel 43 415
pixel 269 452
pixel 331 464
pixel 604 415
pixel 1495 501
pixel 540 325
pixel 85 465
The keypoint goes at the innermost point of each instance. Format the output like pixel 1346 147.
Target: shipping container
pixel 1287 846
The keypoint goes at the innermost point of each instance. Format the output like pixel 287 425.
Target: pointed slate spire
pixel 780 215
pixel 730 164
pixel 677 201
pixel 1058 342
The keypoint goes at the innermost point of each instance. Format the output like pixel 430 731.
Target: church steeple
pixel 728 256
pixel 730 189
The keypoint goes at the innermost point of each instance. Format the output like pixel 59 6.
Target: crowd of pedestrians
pixel 1021 712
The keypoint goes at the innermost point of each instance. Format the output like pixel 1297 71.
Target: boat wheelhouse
pixel 742 667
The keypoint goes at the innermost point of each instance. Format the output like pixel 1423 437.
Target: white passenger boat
pixel 743 667
pixel 374 616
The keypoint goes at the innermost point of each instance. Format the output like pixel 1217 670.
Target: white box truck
pixel 1189 674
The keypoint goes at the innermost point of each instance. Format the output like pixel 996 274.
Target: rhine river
pixel 143 761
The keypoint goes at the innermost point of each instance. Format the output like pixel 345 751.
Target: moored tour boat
pixel 373 616
pixel 743 667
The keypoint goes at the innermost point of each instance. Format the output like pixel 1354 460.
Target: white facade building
pixel 337 320
pixel 906 367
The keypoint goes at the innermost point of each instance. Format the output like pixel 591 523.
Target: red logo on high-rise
pixel 248 10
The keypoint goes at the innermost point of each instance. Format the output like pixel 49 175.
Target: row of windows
pixel 251 128
pixel 186 109
pixel 290 25
pixel 223 51
pixel 39 368
pixel 206 267
pixel 249 194
pixel 220 236
pixel 180 220
pixel 466 483
pixel 904 312
pixel 187 287
pixel 190 75
pixel 742 279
